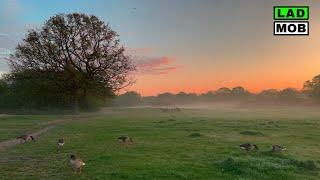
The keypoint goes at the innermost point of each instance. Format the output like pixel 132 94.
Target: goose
pixel 76 164
pixel 61 142
pixel 277 148
pixel 25 138
pixel 248 146
pixel 164 110
pixel 176 110
pixel 125 139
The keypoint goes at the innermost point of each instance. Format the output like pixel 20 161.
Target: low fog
pixel 223 98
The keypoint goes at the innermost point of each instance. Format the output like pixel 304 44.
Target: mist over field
pixel 237 97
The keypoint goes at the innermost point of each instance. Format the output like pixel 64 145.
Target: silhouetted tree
pixel 223 91
pixel 166 98
pixel 150 100
pixel 207 97
pixel 130 98
pixel 80 54
pixel 269 93
pixel 313 87
pixel 239 91
pixel 183 97
pixel 289 94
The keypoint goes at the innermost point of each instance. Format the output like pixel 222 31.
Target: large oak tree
pixel 80 54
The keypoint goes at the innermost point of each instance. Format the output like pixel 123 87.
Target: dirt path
pixel 51 124
pixel 13 142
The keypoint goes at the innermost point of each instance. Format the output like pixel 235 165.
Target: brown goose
pixel 25 138
pixel 277 148
pixel 125 139
pixel 76 164
pixel 248 146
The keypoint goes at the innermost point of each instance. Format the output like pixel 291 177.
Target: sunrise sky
pixel 188 45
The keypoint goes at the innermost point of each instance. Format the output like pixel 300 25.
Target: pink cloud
pixel 162 65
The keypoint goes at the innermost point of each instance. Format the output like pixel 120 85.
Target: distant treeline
pixel 236 94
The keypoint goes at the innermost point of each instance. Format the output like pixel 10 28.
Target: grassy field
pixel 15 125
pixel 192 144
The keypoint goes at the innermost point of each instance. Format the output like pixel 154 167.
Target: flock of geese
pixel 249 147
pixel 171 109
pixel 76 163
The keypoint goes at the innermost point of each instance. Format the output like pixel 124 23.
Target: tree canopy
pixel 75 54
pixel 312 87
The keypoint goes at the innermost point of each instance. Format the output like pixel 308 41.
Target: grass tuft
pixel 304 165
pixel 195 135
pixel 253 166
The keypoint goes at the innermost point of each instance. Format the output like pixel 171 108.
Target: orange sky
pixel 227 45
pixel 280 63
pixel 190 46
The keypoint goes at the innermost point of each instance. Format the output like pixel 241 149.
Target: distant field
pixel 191 144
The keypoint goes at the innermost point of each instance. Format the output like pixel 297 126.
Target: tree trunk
pixel 75 105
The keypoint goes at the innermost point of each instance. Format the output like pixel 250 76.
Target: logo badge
pixel 291 20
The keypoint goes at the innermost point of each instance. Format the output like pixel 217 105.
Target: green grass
pixel 251 133
pixel 192 144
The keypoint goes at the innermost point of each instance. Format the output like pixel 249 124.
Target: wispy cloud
pixel 138 51
pixel 156 66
